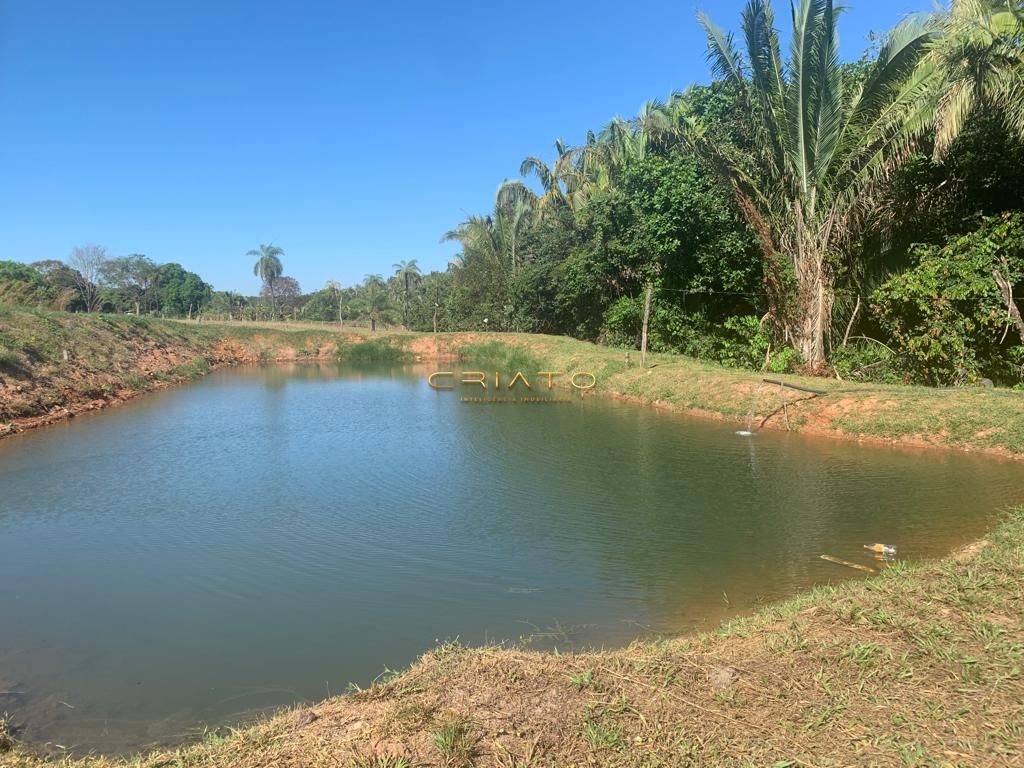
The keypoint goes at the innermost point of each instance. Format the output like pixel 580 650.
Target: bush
pixel 946 315
pixel 786 360
pixel 370 351
pixel 740 341
pixel 866 361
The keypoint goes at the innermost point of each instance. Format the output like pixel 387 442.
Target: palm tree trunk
pixel 405 303
pixel 815 297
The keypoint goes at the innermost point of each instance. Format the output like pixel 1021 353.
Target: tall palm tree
pixel 268 268
pixel 408 272
pixel 494 239
pixel 334 288
pixel 600 163
pixel 563 183
pixel 817 149
pixel 976 62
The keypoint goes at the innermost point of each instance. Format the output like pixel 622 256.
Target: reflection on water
pixel 268 535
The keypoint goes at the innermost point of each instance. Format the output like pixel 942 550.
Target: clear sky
pixel 352 134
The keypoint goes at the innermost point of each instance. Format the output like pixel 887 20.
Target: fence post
pixel 647 320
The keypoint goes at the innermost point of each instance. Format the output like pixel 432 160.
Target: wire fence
pixel 334 325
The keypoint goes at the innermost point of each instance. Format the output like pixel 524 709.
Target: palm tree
pixel 599 164
pixel 374 302
pixel 334 288
pixel 563 183
pixel 977 62
pixel 268 268
pixel 234 301
pixel 480 239
pixel 494 239
pixel 817 150
pixel 408 272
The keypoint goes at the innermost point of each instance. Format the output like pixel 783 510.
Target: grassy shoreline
pixel 919 666
pixel 112 359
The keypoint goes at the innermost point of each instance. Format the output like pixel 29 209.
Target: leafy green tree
pixel 129 283
pixel 181 292
pixel 23 285
pixel 229 303
pixel 953 317
pixel 63 280
pixel 432 310
pixel 325 304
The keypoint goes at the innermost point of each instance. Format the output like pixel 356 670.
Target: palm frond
pixel 723 57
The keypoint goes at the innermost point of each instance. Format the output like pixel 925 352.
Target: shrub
pixel 866 361
pixel 740 341
pixel 786 360
pixel 371 351
pixel 946 315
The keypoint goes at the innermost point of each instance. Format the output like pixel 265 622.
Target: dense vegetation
pixel 858 219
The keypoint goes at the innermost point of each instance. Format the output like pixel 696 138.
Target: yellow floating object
pixel 882 549
pixel 848 564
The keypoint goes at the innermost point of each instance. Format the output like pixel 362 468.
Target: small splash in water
pixel 753 409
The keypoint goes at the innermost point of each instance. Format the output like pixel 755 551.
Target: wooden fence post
pixel 647 320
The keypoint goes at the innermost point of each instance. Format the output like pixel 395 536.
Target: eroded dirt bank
pixel 54 365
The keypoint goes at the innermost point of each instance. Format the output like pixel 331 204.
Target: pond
pixel 269 535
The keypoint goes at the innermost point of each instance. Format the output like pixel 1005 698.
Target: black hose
pixel 794 386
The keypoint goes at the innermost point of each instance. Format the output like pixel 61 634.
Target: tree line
pixel 94 281
pixel 860 219
pixel 856 219
pixel 91 280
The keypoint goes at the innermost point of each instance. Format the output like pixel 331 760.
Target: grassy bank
pixel 110 359
pixel 978 419
pixel 54 365
pixel 920 666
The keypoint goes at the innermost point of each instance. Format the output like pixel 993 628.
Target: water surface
pixel 268 535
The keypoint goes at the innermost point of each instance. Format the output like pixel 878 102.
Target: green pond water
pixel 267 535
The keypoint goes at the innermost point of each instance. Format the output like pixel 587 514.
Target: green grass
pixel 372 351
pixel 380 762
pixel 500 356
pixel 581 680
pixel 599 735
pixel 454 740
pixel 976 419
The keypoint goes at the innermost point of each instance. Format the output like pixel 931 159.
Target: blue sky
pixel 352 134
